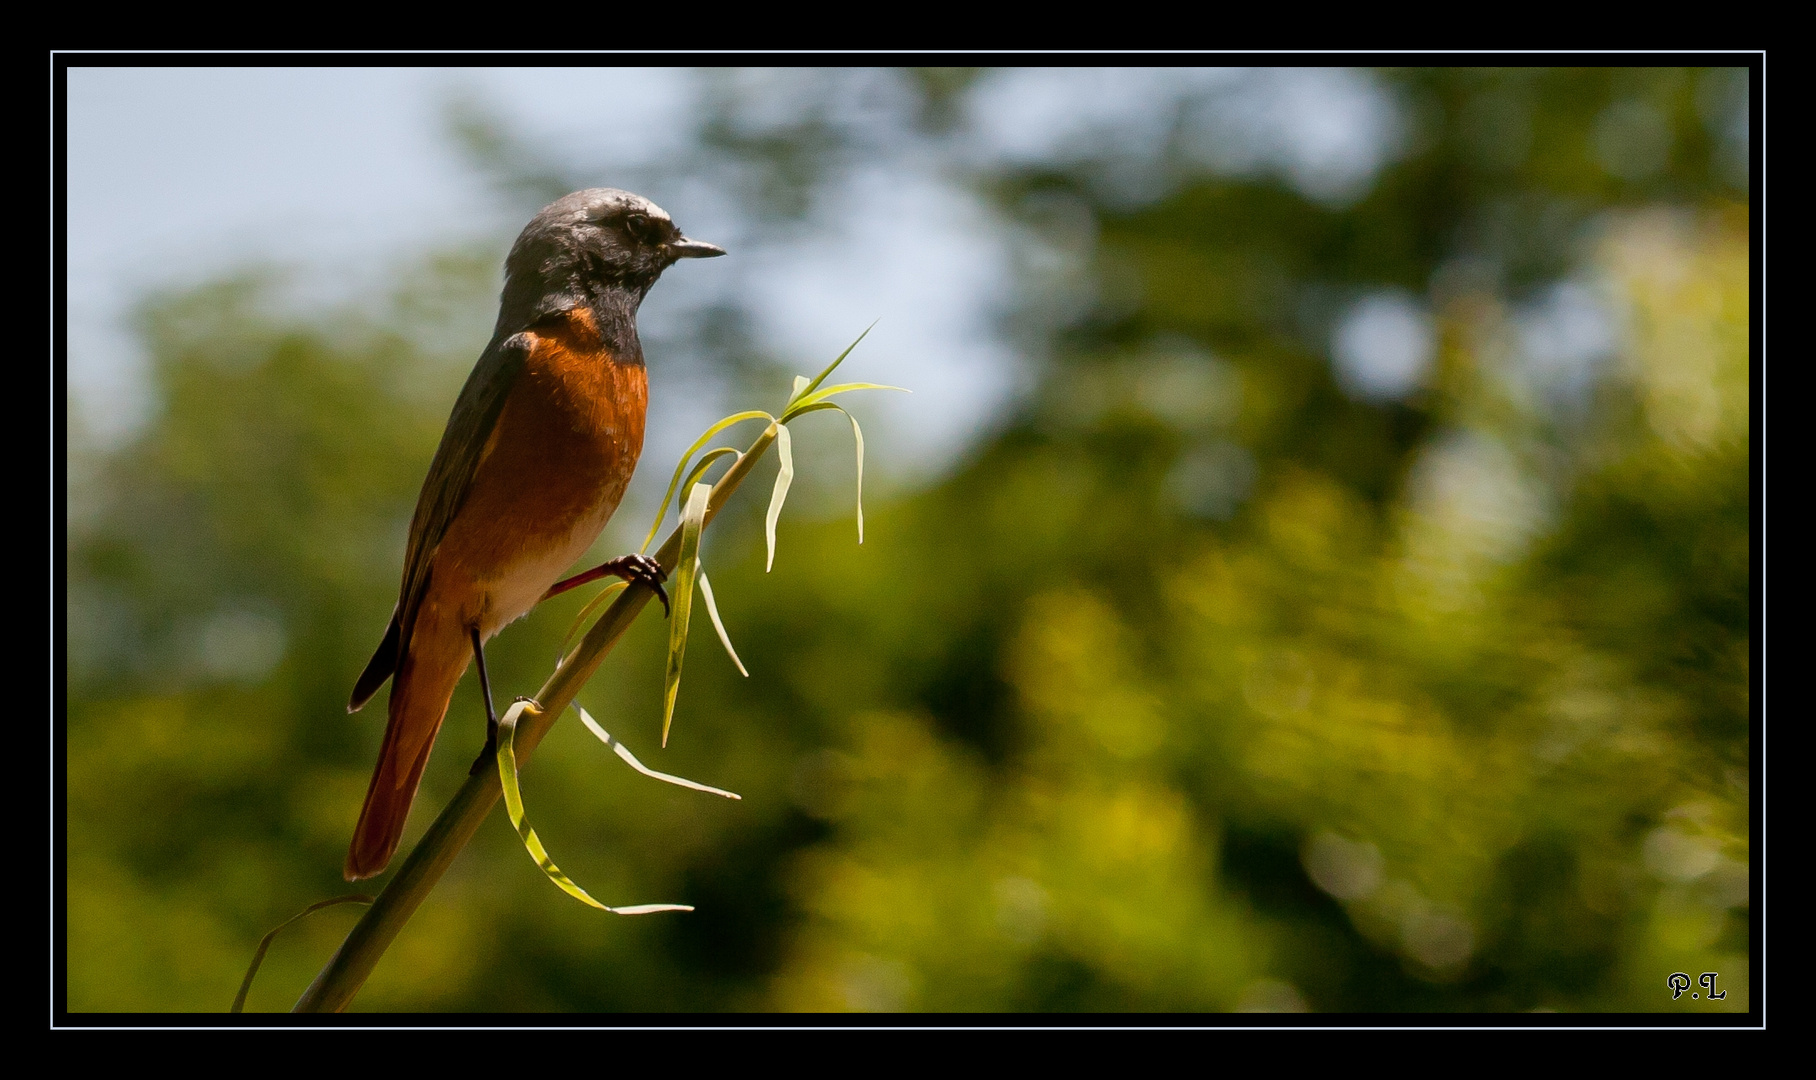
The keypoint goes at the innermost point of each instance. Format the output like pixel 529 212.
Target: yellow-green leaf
pixel 712 610
pixel 513 805
pixel 784 477
pixel 258 957
pixel 681 466
pixel 801 392
pixel 630 759
pixel 818 400
pixel 706 460
pixel 687 568
pixel 857 435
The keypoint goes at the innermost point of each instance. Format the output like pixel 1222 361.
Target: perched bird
pixel 536 456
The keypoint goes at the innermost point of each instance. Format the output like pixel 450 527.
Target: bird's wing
pixel 463 446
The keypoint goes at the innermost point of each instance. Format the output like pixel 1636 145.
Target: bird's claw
pixel 643 570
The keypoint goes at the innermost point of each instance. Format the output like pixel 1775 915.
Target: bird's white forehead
pixel 608 202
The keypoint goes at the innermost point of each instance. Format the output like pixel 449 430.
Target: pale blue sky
pixel 176 175
pixel 180 174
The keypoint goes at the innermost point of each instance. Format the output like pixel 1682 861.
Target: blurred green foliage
pixel 1208 682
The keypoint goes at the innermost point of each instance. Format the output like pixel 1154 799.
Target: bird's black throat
pixel 614 311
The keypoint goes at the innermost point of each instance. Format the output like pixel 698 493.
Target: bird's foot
pixel 645 570
pixel 636 569
pixel 489 754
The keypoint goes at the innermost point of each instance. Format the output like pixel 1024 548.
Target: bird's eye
pixel 643 229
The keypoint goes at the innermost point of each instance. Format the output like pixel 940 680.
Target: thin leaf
pixel 687 568
pixel 630 759
pixel 784 478
pixel 800 386
pixel 821 377
pixel 513 804
pixel 648 909
pixel 812 401
pixel 857 435
pixel 592 605
pixel 706 460
pixel 258 957
pixel 712 609
pixel 681 466
pixel 844 387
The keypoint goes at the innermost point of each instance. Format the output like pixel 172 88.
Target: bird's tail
pixel 380 667
pixel 419 701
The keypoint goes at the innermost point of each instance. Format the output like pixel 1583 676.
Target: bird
pixel 537 453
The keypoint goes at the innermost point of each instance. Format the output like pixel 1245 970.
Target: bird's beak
pixel 694 249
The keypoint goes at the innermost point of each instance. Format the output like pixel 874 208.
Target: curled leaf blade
pixel 681 466
pixel 705 461
pixel 630 759
pixel 258 956
pixel 712 611
pixel 647 909
pixel 784 477
pixel 687 568
pixel 513 804
pixel 857 436
pixel 818 400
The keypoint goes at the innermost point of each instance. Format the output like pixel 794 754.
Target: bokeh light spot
pixel 1384 345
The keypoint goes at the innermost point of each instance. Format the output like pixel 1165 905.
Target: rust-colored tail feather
pixel 419 702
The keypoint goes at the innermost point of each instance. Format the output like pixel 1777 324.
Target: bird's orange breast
pixel 553 470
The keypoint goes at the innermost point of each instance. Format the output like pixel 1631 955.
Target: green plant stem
pixel 353 962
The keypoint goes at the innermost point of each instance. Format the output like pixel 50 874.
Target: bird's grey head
pixel 592 240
